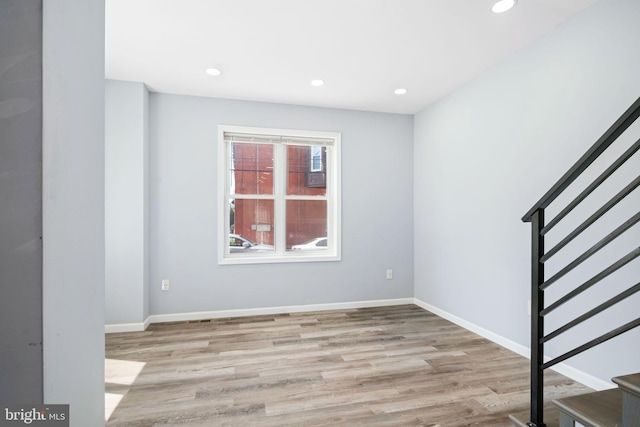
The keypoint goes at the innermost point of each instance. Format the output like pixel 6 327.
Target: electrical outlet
pixel 165 285
pixel 389 274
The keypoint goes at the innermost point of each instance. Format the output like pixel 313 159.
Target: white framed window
pixel 279 195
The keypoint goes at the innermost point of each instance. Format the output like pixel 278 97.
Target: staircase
pixel 630 386
pixel 617 407
pixel 610 408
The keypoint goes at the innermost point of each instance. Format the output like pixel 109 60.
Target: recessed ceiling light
pixel 400 91
pixel 213 71
pixel 502 6
pixel 317 82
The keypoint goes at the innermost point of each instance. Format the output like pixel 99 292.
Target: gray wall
pixel 126 202
pixel 21 201
pixel 73 208
pixel 488 152
pixel 377 230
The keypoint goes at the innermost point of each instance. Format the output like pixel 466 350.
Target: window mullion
pixel 253 196
pixel 297 197
pixel 332 220
pixel 224 152
pixel 280 184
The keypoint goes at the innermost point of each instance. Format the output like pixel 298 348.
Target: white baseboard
pixel 126 327
pixel 491 336
pixel 581 376
pixel 562 368
pixel 203 315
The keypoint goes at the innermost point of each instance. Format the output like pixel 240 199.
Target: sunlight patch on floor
pixel 122 372
pixel 119 374
pixel 111 402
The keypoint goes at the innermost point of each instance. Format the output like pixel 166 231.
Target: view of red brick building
pixel 253 175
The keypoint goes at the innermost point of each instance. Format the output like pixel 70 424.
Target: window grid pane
pixel 306 220
pixel 254 220
pixel 306 170
pixel 251 168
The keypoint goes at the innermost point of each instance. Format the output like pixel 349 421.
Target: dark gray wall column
pixel 21 201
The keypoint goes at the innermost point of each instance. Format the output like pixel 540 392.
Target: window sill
pixel 277 259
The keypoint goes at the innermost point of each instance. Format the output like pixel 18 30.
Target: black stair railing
pixel 536 216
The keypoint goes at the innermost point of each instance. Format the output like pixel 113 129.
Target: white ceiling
pixel 270 50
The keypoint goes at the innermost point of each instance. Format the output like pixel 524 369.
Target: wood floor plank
pixel 381 366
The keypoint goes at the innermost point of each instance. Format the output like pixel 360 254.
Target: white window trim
pixel 334 208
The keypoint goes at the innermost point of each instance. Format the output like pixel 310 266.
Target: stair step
pixel 629 383
pixel 630 386
pixel 599 409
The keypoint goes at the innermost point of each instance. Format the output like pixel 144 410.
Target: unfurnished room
pixel 308 213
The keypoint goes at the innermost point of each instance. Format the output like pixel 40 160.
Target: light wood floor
pixel 387 366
